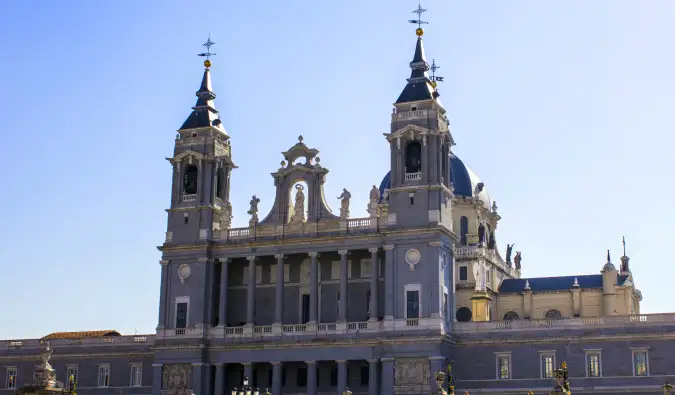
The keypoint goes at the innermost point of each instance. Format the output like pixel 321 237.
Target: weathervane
pixel 419 22
pixel 208 44
pixel 435 67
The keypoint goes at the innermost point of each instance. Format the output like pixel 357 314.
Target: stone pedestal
pixel 480 303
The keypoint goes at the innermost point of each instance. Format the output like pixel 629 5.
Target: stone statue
pixel 481 235
pixel 479 276
pixel 299 207
pixel 344 204
pixel 494 207
pixel 518 258
pixel 374 195
pixel 226 216
pixel 253 211
pixel 491 241
pixel 509 250
pixel 46 354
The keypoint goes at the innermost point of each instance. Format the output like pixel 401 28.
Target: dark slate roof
pixel 204 113
pixel 462 178
pixel 555 283
pixel 419 85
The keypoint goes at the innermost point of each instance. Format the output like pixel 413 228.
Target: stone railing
pixel 309 330
pixel 190 198
pixel 106 340
pixel 397 116
pixel 565 323
pixel 478 252
pixel 306 228
pixel 413 176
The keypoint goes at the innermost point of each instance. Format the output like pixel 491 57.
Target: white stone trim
pixel 637 350
pixel 588 353
pixel 176 301
pixel 498 357
pixel 412 287
pixel 103 368
pixel 542 355
pixel 139 366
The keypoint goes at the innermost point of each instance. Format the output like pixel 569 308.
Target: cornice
pixel 36 355
pixel 575 339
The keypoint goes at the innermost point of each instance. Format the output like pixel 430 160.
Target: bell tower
pixel 202 164
pixel 420 190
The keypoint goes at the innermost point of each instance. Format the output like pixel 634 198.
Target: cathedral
pixel 305 300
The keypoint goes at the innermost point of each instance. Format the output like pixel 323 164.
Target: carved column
pixel 344 280
pixel 342 382
pixel 387 383
pixel 163 295
pixel 389 282
pixel 279 307
pixel 179 184
pixel 277 380
pixel 373 376
pixel 224 280
pixel 311 378
pixel 250 299
pixel 373 284
pixel 176 183
pixel 314 288
pixel 197 376
pixel 220 379
pixel 157 378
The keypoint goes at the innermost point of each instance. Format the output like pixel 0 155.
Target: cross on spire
pixel 419 11
pixel 434 67
pixel 208 44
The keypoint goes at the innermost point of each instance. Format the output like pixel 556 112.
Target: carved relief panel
pixel 411 375
pixel 176 376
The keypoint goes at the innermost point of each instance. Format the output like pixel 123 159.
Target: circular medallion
pixel 413 256
pixel 184 272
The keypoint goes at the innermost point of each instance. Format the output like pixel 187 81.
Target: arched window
pixel 511 316
pixel 463 229
pixel 463 314
pixel 190 180
pixel 553 314
pixel 413 157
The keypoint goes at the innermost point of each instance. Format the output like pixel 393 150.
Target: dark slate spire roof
pixel 419 85
pixel 204 113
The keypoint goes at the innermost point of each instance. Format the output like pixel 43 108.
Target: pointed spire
pixel 608 265
pixel 420 86
pixel 204 113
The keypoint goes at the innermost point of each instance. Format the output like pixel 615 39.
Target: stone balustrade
pixel 92 341
pixel 309 330
pixel 566 323
pixel 311 228
pixel 474 252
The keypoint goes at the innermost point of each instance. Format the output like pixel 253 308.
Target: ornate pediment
pixel 300 150
pixel 186 154
pixel 407 131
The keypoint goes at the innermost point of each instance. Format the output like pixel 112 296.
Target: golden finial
pixel 419 31
pixel 564 365
pixel 207 44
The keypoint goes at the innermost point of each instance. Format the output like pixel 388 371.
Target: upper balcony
pixel 582 323
pixel 93 341
pixel 475 252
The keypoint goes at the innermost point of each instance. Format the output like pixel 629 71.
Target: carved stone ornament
pixel 177 376
pixel 412 258
pixel 184 272
pixel 411 372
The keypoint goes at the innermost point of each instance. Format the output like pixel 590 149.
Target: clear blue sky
pixel 564 109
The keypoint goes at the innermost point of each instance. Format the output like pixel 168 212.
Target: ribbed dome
pixel 464 180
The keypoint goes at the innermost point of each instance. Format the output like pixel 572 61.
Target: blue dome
pixel 463 179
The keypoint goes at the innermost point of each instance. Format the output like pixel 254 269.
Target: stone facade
pixel 303 300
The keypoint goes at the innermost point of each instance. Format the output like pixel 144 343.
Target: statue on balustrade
pixel 253 211
pixel 374 201
pixel 299 207
pixel 509 250
pixel 344 204
pixel 518 259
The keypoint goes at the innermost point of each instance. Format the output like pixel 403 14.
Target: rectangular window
pixel 463 273
pixel 104 375
pixel 412 298
pixel 335 270
pixel 270 377
pixel 365 267
pixel 283 377
pixel 365 375
pixel 11 378
pixel 136 372
pixel 640 363
pixel 593 364
pixel 258 275
pixel 302 377
pixel 71 376
pixel 547 365
pixel 503 366
pixel 182 307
